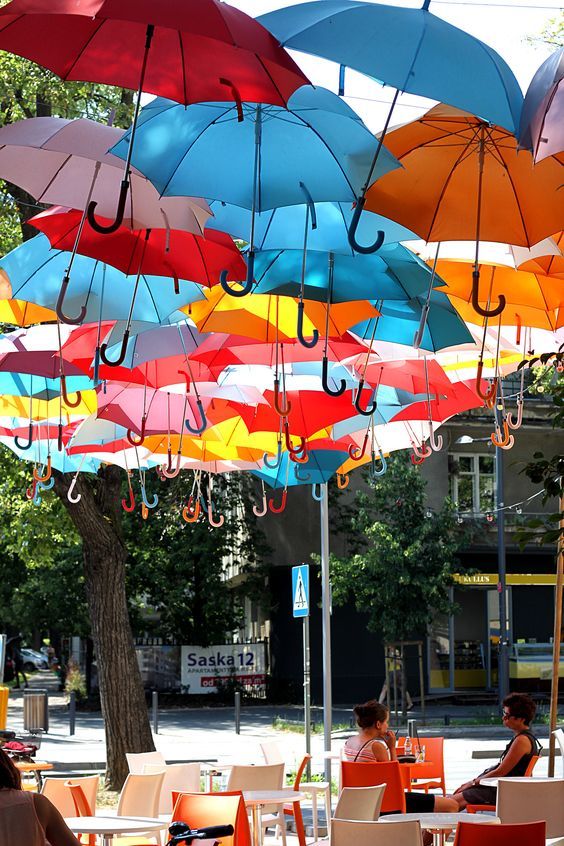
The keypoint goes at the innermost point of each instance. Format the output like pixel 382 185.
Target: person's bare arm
pixel 379 751
pixel 56 830
pixel 521 746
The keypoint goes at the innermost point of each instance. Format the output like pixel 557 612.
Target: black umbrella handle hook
pixel 248 286
pixel 119 360
pixel 359 248
pixel 300 330
pixel 112 227
pixel 64 318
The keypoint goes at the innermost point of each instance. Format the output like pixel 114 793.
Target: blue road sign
pixel 300 590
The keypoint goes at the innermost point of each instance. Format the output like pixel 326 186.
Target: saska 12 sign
pixel 204 669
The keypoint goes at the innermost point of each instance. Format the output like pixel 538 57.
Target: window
pixel 472 483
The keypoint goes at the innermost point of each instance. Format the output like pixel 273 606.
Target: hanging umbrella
pixel 542 119
pixel 170 49
pixel 321 466
pixel 545 257
pixel 317 149
pixel 464 179
pixel 22 313
pixel 409 49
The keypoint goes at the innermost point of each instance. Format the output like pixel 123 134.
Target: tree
pixel 403 559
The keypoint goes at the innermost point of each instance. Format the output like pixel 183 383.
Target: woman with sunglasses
pixel 518 711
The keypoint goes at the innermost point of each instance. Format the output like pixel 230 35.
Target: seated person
pixel 518 712
pixel 375 743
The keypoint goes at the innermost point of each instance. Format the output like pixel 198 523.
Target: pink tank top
pixel 18 820
pixel 355 751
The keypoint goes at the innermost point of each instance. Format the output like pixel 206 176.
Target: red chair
pixel 355 774
pixel 202 809
pixel 434 765
pixel 474 809
pixel 523 834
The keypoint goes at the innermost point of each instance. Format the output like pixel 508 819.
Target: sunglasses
pixel 505 715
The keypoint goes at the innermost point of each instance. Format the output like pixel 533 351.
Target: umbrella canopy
pixel 22 313
pixel 161 252
pixel 542 120
pixel 318 141
pixel 409 49
pixel 65 162
pixel 546 257
pixel 436 193
pixel 198 51
pixel 321 466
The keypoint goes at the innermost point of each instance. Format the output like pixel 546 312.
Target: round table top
pixel 114 825
pixel 32 766
pixel 440 820
pixel 271 797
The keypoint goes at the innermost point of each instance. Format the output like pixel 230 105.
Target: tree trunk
pixel 97 518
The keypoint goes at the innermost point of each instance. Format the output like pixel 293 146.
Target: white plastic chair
pixel 269 777
pixel 352 833
pixel 56 790
pixel 522 800
pixel 559 737
pixel 140 795
pixel 361 804
pixel 185 778
pixel 137 760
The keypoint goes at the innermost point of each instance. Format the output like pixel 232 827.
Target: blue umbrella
pixel 318 149
pixel 26 385
pixel 540 129
pixel 320 466
pixel 409 49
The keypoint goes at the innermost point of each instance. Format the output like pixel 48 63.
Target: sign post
pixel 300 606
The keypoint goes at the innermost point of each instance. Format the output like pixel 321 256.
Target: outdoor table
pixel 420 769
pixel 108 827
pixel 438 823
pixel 211 771
pixel 257 799
pixel 493 782
pixel 35 767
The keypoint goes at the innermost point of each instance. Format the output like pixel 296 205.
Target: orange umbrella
pixel 462 179
pixel 546 257
pixel 22 313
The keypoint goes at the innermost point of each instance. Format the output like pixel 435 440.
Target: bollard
pixel 412 728
pixel 237 712
pixel 447 719
pixel 155 706
pixel 72 712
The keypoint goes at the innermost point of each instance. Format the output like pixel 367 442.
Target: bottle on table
pixel 408 747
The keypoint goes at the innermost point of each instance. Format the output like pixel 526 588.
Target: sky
pixel 503 26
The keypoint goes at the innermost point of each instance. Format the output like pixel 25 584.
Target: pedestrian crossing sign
pixel 300 590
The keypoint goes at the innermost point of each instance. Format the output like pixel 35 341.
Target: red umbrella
pixel 188 51
pixel 157 252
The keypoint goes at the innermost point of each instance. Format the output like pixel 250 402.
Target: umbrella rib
pixel 442 193
pixel 269 75
pixel 150 292
pixel 59 169
pixel 84 47
pixel 515 195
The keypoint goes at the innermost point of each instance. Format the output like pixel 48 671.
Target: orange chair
pixel 523 834
pixel 83 809
pixel 474 809
pixel 435 765
pixel 355 774
pixel 202 809
pixel 295 809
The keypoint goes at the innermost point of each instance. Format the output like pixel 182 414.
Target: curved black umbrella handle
pixel 325 381
pixel 300 330
pixel 370 409
pixel 247 287
pixel 485 312
pixel 21 444
pixel 236 97
pixel 64 318
pixel 358 248
pixel 198 428
pixel 66 399
pixel 119 360
pixel 99 227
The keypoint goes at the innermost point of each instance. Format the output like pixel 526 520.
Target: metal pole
pixel 556 644
pixel 72 712
pixel 326 629
pixel 155 706
pixel 503 653
pixel 307 694
pixel 237 712
pixel 421 681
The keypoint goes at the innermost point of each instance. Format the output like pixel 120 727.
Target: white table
pixel 257 799
pixel 108 827
pixel 494 782
pixel 438 823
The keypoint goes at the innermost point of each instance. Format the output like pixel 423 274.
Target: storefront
pixel 462 647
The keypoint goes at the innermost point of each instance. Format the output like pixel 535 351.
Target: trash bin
pixel 4 691
pixel 35 710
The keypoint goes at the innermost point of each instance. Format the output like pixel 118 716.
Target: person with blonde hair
pixel 26 818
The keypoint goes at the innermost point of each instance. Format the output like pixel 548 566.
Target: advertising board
pixel 205 668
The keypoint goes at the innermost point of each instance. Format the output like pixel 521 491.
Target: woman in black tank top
pixel 517 714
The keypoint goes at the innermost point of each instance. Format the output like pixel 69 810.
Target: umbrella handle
pixel 343 481
pixel 485 312
pixel 129 506
pixel 71 496
pixel 424 452
pixel 119 360
pixel 260 512
pixel 170 473
pixel 37 475
pixel 64 318
pixel 217 524
pixel 276 464
pixel 325 381
pixel 488 395
pixel 187 378
pixel 146 503
pixel 144 511
pixel 358 248
pixel 130 435
pixel 310 204
pixel 174 275
pixel 66 399
pixel 517 423
pixel 435 441
pixel 36 497
pixel 60 437
pixel 318 496
pixel 356 456
pixel 247 287
pixel 46 486
pixel 501 438
pixel 418 337
pixel 278 509
pixel 236 97
pixel 383 467
pixel 198 429
pixel 370 409
pixel 30 492
pixel 112 227
pixel 298 458
pixel 189 514
pixel 300 330
pixel 283 412
pixel 305 478
pixel 417 459
pixel 295 451
pixel 20 444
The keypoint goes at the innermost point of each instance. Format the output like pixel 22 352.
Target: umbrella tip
pixel 425 6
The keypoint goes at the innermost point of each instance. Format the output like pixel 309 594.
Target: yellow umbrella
pixel 22 313
pixel 18 406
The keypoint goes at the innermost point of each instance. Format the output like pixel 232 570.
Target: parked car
pixel 33 660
